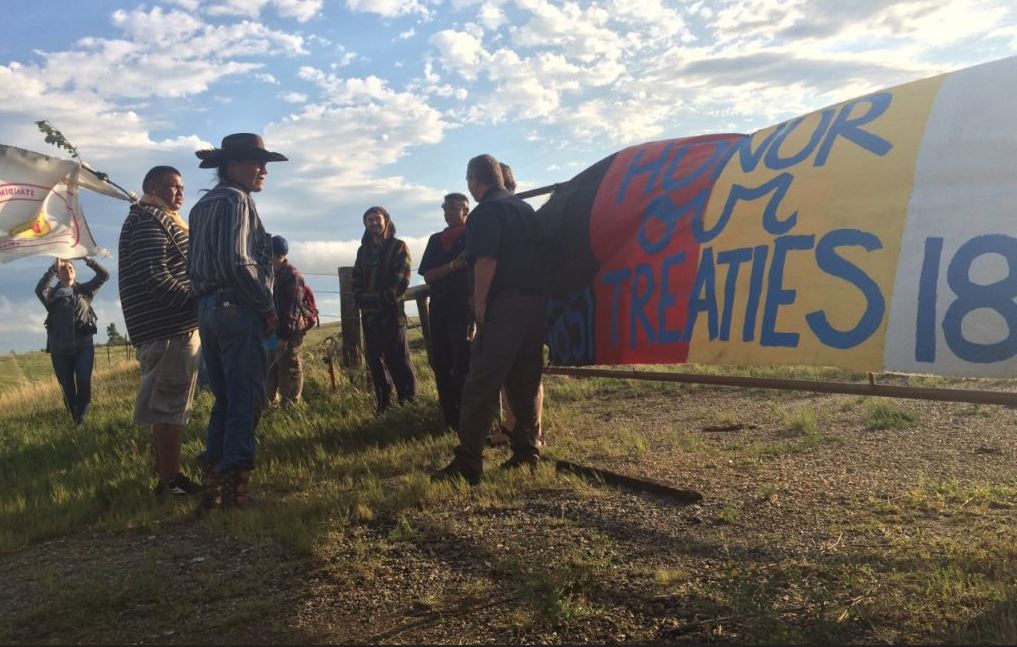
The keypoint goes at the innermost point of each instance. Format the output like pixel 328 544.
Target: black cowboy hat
pixel 238 146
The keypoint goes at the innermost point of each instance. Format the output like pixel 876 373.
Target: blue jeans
pixel 233 344
pixel 74 373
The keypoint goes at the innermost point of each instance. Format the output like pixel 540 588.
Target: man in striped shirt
pixel 162 319
pixel 381 275
pixel 231 275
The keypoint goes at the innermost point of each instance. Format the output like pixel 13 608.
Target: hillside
pixel 824 519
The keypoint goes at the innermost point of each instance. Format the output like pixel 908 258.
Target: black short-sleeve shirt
pixel 506 228
pixel 450 295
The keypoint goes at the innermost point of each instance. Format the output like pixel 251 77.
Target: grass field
pixel 825 519
pixel 19 369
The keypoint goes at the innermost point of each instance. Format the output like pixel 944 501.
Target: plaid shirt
pixel 288 293
pixel 380 278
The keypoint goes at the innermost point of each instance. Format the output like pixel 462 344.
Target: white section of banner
pixel 39 209
pixel 958 315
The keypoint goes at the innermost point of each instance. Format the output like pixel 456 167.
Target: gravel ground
pixel 834 531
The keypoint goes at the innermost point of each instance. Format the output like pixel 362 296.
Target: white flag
pixel 39 209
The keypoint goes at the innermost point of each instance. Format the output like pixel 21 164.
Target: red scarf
pixel 450 236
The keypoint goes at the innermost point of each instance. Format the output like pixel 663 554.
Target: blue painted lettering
pixel 616 280
pixel 850 128
pixel 667 299
pixel 639 300
pixel 733 258
pixel 776 295
pixel 835 265
pixel 635 168
pixel 703 297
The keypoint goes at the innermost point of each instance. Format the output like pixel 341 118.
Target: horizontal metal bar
pixel 532 193
pixel 416 291
pixel 1008 398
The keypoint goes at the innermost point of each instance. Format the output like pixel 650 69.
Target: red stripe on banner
pixel 642 237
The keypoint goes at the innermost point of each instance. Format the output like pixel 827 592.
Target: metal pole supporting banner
pixel 1008 398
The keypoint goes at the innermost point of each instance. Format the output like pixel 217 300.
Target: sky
pixel 384 101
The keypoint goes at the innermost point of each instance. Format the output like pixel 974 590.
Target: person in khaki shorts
pixel 162 321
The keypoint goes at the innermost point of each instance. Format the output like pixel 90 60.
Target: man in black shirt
pixel 443 268
pixel 504 240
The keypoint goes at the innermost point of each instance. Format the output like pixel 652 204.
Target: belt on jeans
pixel 224 296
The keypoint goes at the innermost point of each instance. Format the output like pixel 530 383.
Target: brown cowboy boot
pixel 211 497
pixel 236 489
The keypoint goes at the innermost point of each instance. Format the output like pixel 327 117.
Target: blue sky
pixel 384 101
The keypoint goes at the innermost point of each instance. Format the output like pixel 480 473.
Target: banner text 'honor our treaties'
pixel 864 235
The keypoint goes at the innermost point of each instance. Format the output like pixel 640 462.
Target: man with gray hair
pixel 504 244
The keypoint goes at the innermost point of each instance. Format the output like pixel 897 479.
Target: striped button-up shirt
pixel 155 291
pixel 230 249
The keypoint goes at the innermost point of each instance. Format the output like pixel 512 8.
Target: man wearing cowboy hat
pixel 230 266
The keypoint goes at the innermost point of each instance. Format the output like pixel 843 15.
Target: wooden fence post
pixel 420 293
pixel 351 353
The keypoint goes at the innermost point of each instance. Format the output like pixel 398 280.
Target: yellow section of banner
pixel 33 228
pixel 803 232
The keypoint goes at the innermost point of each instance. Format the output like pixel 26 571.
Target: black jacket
pixel 70 319
pixel 381 275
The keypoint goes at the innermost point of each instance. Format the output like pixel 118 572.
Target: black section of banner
pixel 571 264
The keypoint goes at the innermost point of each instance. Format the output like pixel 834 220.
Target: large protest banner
pixel 39 209
pixel 879 233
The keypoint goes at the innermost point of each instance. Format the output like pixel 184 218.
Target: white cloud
pixel 299 10
pixel 186 5
pixel 345 58
pixel 388 8
pixel 625 121
pixel 267 78
pixel 349 135
pixel 293 97
pixel 324 256
pixel 651 18
pixel 408 34
pixel 160 54
pixel 580 33
pixel 459 51
pixel 22 316
pixel 164 54
pixel 491 16
pixel 315 39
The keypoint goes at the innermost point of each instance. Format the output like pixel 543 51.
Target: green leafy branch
pixel 55 137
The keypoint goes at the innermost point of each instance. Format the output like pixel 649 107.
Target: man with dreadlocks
pixel 381 275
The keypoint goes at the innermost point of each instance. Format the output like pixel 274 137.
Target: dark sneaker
pixel 179 486
pixel 452 472
pixel 521 461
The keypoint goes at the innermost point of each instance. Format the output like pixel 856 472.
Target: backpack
pixel 308 306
